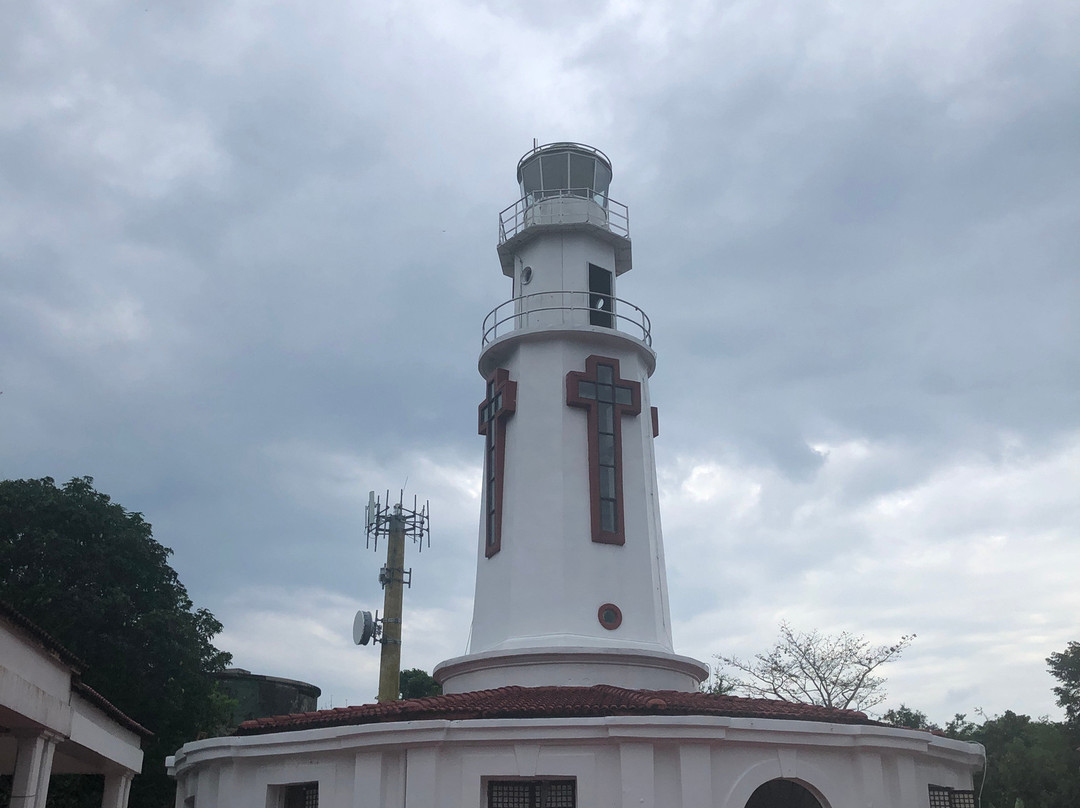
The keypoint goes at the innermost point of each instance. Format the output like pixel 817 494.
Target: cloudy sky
pixel 246 249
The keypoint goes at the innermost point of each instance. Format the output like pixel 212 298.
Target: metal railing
pixel 564 206
pixel 566 308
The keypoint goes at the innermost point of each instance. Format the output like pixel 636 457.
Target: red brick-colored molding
pixel 553 702
pixel 493 428
pixel 573 399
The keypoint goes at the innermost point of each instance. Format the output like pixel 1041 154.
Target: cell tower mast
pixel 395 523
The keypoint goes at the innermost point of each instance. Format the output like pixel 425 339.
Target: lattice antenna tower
pixel 394 523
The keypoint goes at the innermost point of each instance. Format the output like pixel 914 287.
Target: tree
pixel 904 716
pixel 1028 762
pixel 416 684
pixel 815 668
pixel 718 684
pixel 91 574
pixel 1065 667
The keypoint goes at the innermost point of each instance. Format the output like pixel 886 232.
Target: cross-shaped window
pixel 607 398
pixel 497 406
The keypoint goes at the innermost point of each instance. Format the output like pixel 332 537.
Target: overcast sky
pixel 246 249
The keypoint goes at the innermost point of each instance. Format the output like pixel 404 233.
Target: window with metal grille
pixel 532 794
pixel 963 799
pixel 302 795
pixel 944 797
pixel 939 797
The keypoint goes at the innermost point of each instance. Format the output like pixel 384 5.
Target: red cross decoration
pixel 497 406
pixel 607 398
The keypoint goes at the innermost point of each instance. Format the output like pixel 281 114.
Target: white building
pixel 572 694
pixel 52 723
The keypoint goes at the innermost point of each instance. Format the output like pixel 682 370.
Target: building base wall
pixel 616 761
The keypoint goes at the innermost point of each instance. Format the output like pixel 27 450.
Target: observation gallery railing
pixel 564 206
pixel 566 308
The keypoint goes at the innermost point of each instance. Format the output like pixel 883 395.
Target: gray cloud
pixel 246 252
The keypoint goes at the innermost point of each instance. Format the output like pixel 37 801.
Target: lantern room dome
pixel 562 169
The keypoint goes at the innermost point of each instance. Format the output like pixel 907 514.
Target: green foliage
pixel 416 684
pixel 1065 667
pixel 904 716
pixel 718 684
pixel 815 668
pixel 960 728
pixel 92 575
pixel 1029 762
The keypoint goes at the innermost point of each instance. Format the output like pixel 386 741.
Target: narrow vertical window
pixel 601 303
pixel 499 403
pixel 607 398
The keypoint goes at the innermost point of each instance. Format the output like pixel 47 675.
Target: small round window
pixel 610 616
pixel 526 275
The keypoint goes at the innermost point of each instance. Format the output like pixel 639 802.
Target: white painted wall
pixel 547 582
pixel 52 729
pixel 618 762
pixel 541 591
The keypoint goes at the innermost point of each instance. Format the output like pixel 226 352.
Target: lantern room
pixel 564 188
pixel 564 169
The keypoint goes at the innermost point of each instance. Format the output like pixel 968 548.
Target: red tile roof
pixel 52 646
pixel 40 637
pixel 552 702
pixel 109 708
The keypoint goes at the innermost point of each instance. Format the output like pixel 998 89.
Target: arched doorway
pixel 782 794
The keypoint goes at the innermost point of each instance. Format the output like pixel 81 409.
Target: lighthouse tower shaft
pixel 571 587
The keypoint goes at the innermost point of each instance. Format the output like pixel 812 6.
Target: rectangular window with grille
pixel 301 795
pixel 944 797
pixel 939 797
pixel 532 794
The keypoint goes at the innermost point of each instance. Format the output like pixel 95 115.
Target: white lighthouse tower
pixel 570 584
pixel 567 695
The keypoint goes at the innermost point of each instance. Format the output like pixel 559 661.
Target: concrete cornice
pixel 719 730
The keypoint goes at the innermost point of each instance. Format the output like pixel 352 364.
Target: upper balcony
pixel 564 206
pixel 566 309
pixel 564 209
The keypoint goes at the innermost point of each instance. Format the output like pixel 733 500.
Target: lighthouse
pixel 570 583
pixel 570 693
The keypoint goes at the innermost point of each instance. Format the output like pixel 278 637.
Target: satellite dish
pixel 362 628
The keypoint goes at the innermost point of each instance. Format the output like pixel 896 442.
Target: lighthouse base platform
pixel 638 669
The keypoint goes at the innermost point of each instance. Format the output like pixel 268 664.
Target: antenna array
pixel 395 523
pixel 381 518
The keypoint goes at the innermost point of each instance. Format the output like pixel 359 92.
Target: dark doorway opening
pixel 601 303
pixel 782 794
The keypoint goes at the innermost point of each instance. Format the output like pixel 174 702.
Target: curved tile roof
pixel 552 702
